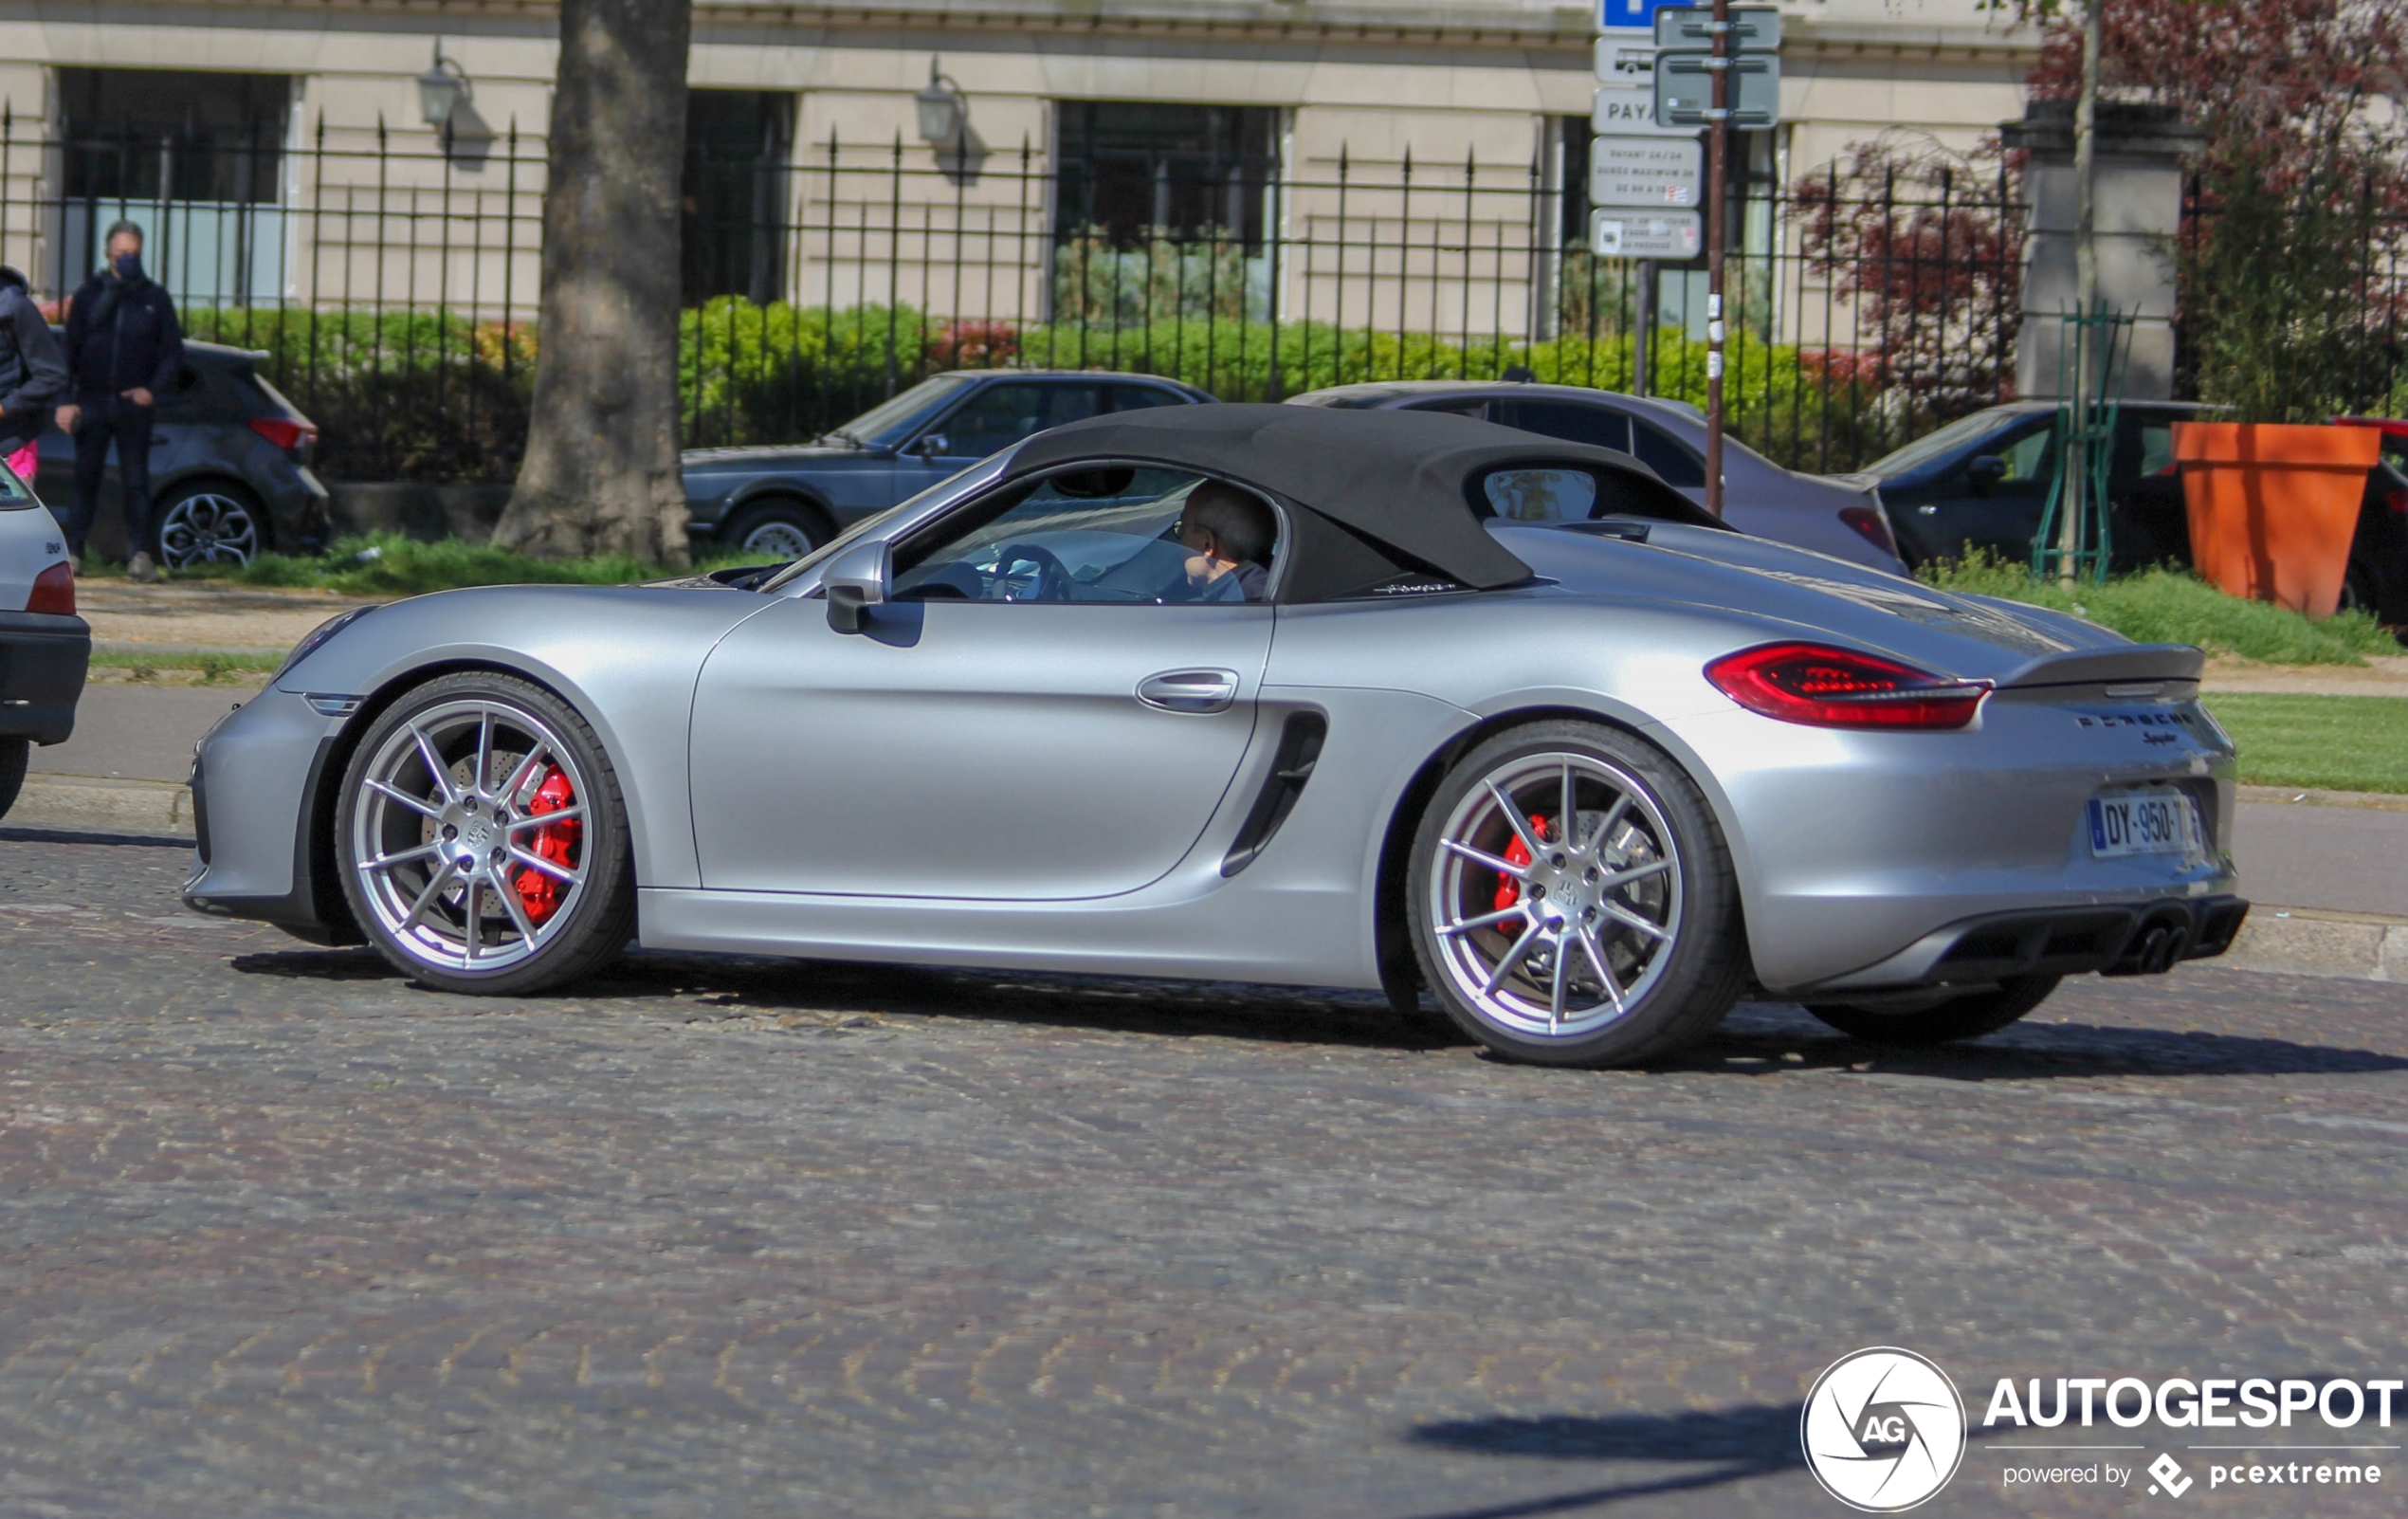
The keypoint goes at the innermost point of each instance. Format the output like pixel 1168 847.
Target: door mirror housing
pixel 932 444
pixel 1984 470
pixel 855 582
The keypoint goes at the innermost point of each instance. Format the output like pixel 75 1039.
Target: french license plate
pixel 2160 820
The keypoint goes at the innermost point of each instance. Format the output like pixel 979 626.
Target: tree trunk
pixel 600 474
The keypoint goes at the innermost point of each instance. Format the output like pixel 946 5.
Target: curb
pixel 2294 796
pixel 102 804
pixel 2288 941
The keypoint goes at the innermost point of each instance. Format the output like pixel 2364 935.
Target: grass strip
pixel 388 564
pixel 2318 742
pixel 2162 606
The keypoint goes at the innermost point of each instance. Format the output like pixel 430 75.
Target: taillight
pixel 2397 501
pixel 284 432
pixel 1870 526
pixel 1841 688
pixel 53 591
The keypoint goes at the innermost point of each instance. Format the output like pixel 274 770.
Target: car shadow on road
pixel 1740 1443
pixel 1760 1038
pixel 1777 1038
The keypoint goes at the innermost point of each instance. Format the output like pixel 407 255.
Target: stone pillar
pixel 2140 209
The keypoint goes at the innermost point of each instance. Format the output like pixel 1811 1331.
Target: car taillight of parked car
pixel 291 437
pixel 1829 687
pixel 53 591
pixel 1871 526
pixel 2397 501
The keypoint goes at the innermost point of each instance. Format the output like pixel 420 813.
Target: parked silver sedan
pixel 1840 515
pixel 1282 694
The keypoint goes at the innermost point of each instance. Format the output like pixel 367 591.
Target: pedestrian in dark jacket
pixel 33 371
pixel 125 351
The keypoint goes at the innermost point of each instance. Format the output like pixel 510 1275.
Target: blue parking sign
pixel 1631 15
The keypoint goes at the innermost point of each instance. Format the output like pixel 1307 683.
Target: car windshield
pixel 885 426
pixel 1936 444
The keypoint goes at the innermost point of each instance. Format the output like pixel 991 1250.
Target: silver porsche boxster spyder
pixel 1343 699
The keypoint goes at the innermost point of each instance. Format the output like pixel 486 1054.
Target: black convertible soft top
pixel 1394 481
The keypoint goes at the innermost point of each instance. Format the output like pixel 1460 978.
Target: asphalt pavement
pixel 285 1235
pixel 2348 859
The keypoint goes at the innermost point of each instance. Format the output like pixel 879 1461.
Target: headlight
pixel 316 637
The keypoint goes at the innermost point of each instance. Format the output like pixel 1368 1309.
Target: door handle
pixel 1189 690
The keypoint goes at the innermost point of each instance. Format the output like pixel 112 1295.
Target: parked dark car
pixel 230 469
pixel 781 502
pixel 1839 515
pixel 1984 480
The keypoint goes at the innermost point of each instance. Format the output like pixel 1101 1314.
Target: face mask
pixel 128 266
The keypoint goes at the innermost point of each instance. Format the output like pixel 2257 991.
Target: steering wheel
pixel 1053 580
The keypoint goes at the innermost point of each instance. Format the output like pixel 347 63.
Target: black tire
pixel 534 735
pixel 784 527
pixel 1968 1016
pixel 1647 996
pixel 14 755
pixel 208 522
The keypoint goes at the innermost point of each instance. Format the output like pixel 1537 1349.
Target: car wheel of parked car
pixel 208 522
pixel 482 840
pixel 14 753
pixel 1966 1015
pixel 1610 939
pixel 778 530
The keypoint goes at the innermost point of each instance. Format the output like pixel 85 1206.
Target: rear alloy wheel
pixel 483 839
pixel 1966 1015
pixel 208 524
pixel 1612 940
pixel 781 530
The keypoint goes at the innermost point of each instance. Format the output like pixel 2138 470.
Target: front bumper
pixel 43 661
pixel 2139 938
pixel 262 801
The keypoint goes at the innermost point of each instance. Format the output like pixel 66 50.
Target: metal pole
pixel 1717 236
pixel 2074 458
pixel 1643 343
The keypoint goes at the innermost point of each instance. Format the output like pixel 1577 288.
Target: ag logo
pixel 1883 1430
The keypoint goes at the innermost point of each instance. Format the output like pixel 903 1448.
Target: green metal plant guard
pixel 2076 540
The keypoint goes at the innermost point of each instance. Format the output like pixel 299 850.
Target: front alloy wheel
pixel 207 525
pixel 1573 899
pixel 482 838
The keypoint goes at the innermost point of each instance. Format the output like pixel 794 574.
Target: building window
pixel 1131 171
pixel 162 135
pixel 197 160
pixel 738 148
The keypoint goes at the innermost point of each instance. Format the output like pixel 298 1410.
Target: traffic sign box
pixel 1685 89
pixel 1754 29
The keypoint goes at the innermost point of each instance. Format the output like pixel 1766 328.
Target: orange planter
pixel 2272 508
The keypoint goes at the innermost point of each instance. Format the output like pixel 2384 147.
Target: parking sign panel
pixel 1626 234
pixel 1628 15
pixel 1648 173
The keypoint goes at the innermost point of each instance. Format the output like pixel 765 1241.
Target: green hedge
pixel 430 395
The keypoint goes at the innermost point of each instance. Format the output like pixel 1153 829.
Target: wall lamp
pixel 441 89
pixel 945 109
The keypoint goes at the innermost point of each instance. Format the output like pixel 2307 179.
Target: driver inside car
pixel 1227 532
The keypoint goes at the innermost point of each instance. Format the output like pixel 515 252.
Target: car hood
pixel 766 457
pixel 1794 593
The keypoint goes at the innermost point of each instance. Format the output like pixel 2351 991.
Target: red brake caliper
pixel 538 892
pixel 1518 854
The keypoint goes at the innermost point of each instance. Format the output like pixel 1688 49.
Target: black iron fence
pixel 391 279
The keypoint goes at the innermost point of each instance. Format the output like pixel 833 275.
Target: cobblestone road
pixel 284 1235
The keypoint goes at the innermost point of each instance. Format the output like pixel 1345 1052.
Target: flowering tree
pixel 2292 304
pixel 1927 246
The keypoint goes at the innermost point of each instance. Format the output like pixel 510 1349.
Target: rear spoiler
pixel 2127 661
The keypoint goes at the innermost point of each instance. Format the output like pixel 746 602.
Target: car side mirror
pixel 932 444
pixel 1984 470
pixel 855 582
